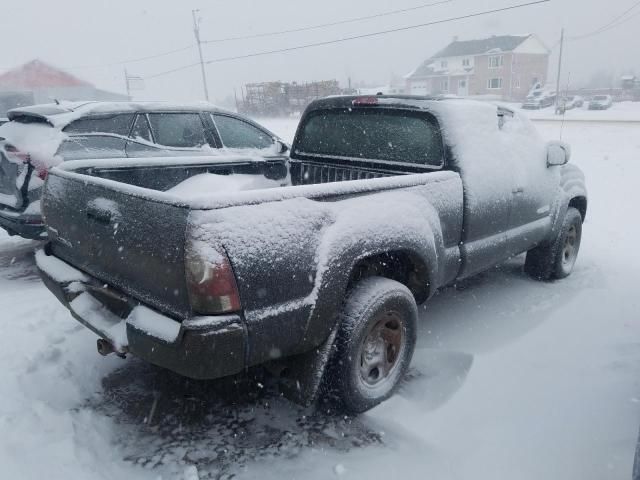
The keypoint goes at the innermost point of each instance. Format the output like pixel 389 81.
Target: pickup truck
pixel 385 200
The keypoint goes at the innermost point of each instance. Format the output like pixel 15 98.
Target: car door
pixel 534 188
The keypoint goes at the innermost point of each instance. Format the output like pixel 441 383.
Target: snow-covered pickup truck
pixel 387 199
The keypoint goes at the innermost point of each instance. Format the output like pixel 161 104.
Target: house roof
pixel 460 48
pixel 37 74
pixel 503 43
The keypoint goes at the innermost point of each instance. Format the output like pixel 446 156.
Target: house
pixel 503 67
pixel 37 82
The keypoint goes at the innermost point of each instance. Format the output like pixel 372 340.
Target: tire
pixel 556 260
pixel 374 345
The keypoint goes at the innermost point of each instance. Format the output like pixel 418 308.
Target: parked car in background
pixel 601 102
pixel 40 136
pixel 387 199
pixel 539 99
pixel 569 103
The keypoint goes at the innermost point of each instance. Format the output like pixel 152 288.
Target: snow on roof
pixel 38 74
pixel 62 113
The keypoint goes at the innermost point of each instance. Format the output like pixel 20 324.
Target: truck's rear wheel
pixel 557 259
pixel 374 345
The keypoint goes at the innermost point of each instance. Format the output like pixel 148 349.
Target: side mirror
pixel 281 147
pixel 558 153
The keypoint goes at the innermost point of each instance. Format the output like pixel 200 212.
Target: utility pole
pixel 126 80
pixel 196 31
pixel 559 67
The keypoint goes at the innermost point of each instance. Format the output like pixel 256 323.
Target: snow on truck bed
pixel 206 183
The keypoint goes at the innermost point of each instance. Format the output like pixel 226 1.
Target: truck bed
pixel 108 218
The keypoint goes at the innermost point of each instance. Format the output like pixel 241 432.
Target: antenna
pixel 564 109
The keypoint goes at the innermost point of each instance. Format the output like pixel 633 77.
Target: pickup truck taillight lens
pixel 211 283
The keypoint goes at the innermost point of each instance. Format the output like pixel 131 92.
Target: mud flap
pixel 301 375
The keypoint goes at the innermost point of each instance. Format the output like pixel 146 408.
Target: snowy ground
pixel 511 379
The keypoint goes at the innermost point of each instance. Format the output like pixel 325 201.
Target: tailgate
pixel 132 243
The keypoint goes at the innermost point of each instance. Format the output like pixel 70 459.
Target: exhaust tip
pixel 104 347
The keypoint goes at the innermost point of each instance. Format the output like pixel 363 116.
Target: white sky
pixel 85 37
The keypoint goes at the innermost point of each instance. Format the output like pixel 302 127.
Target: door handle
pixel 518 190
pixel 100 216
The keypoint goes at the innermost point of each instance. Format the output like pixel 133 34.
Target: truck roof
pixel 404 101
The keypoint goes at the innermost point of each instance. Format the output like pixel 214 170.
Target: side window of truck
pixel 373 134
pixel 178 129
pixel 119 124
pixel 235 133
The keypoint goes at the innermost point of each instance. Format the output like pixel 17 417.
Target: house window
pixel 462 84
pixel 443 64
pixel 496 61
pixel 516 82
pixel 444 85
pixel 466 62
pixel 494 83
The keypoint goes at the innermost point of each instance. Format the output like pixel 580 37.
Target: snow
pixel 206 183
pixel 40 141
pixel 511 378
pixel 99 317
pixel 155 324
pixel 57 269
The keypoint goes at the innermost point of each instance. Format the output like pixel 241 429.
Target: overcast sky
pixel 87 38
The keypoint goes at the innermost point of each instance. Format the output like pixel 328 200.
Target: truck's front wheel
pixel 556 260
pixel 374 345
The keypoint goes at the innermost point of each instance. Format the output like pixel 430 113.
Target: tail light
pixel 16 155
pixel 365 101
pixel 211 282
pixel 42 173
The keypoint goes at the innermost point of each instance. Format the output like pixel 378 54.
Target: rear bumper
pixel 201 347
pixel 27 226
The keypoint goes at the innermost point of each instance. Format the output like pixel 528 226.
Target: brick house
pixel 504 66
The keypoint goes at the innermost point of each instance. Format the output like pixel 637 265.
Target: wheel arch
pixel 404 266
pixel 579 202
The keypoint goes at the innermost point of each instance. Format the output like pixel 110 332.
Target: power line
pixel 354 37
pixel 324 25
pixel 609 25
pixel 135 60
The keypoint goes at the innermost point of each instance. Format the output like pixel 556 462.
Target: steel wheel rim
pixel 570 247
pixel 381 349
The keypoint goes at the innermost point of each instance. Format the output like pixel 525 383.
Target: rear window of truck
pixel 396 136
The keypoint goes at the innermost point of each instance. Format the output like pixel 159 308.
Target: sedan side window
pixel 92 147
pixel 178 129
pixel 116 124
pixel 235 133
